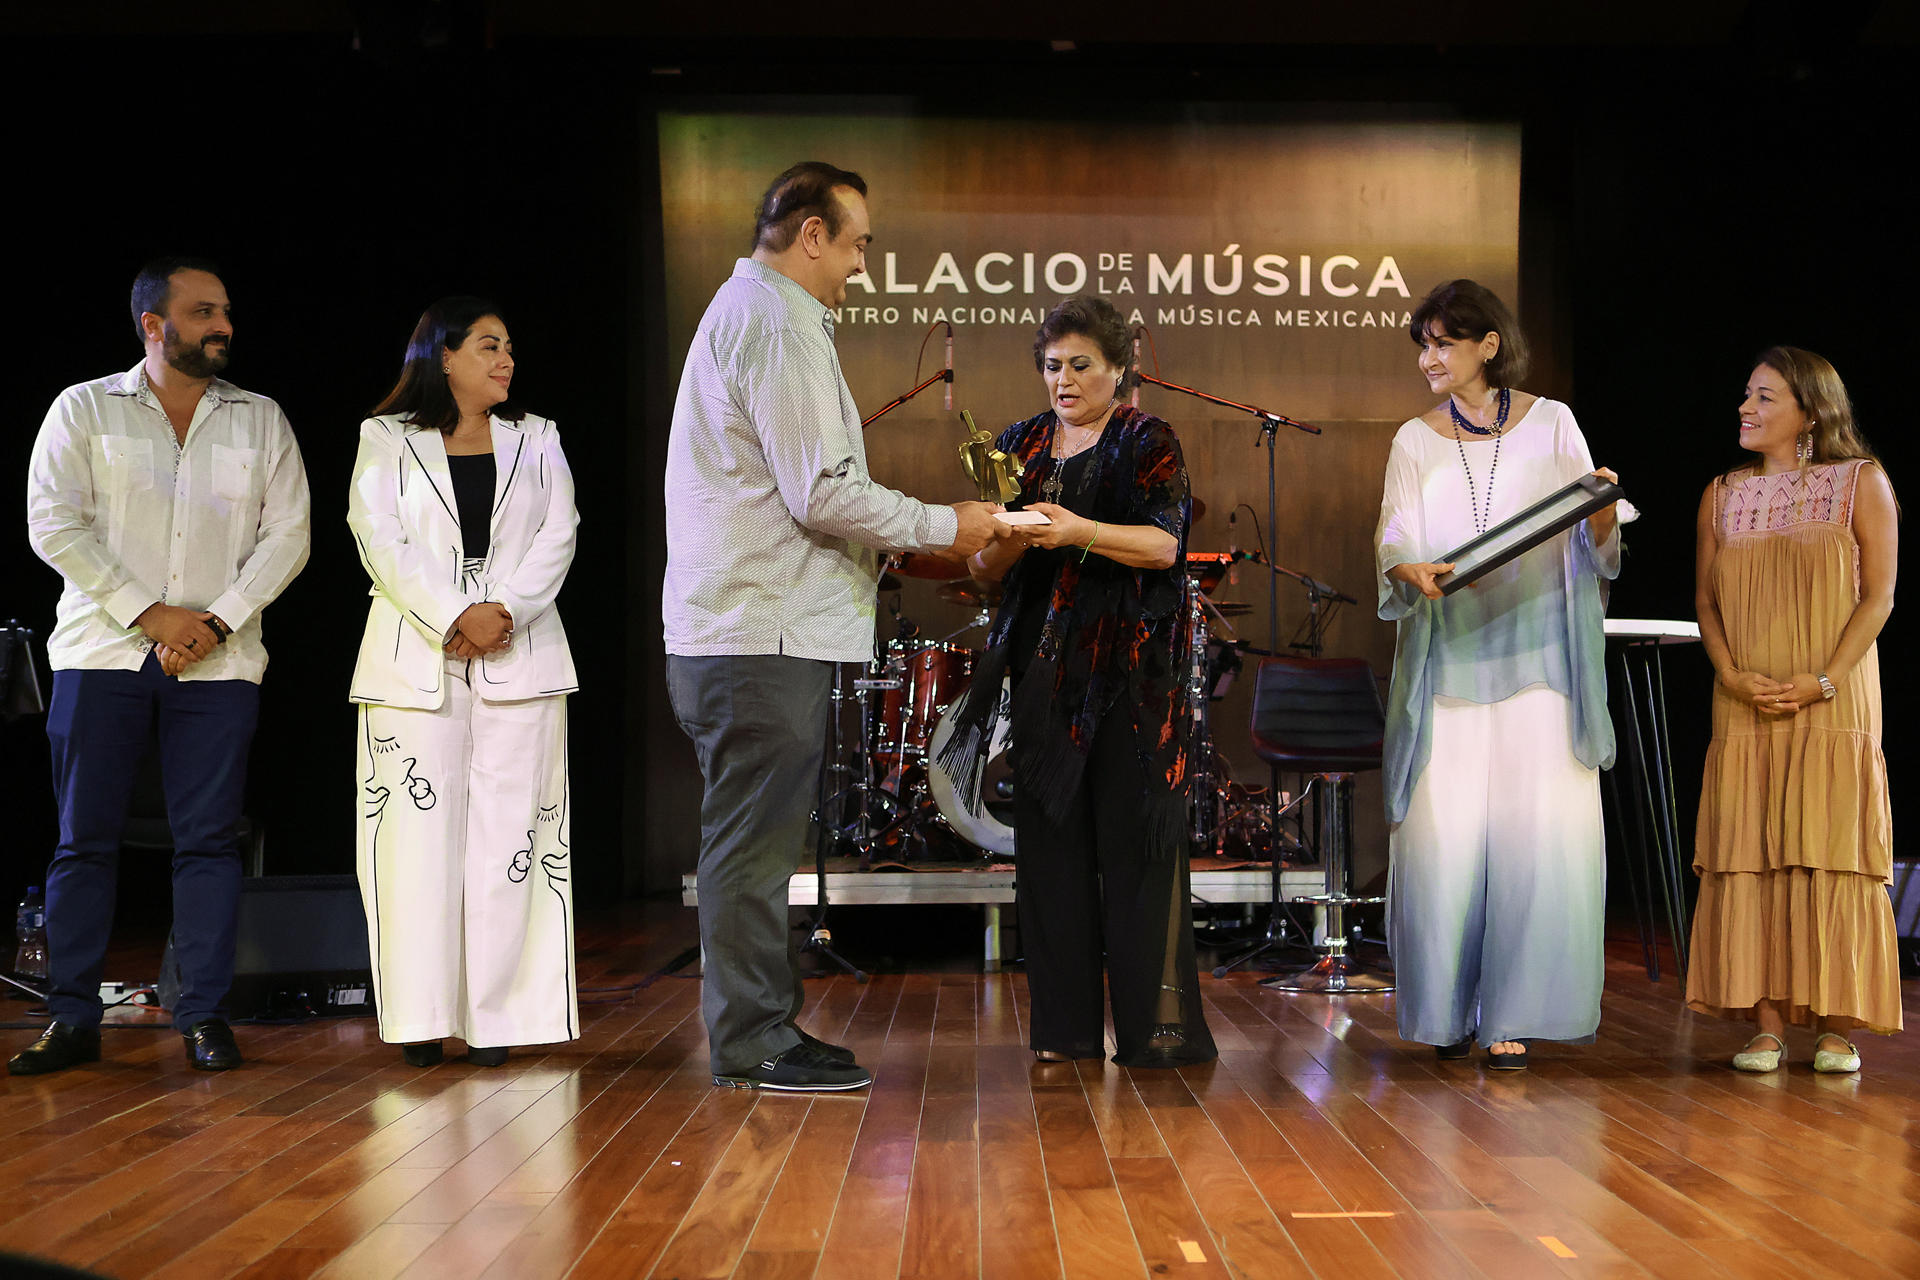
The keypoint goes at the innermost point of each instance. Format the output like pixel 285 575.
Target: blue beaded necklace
pixel 1481 521
pixel 1499 422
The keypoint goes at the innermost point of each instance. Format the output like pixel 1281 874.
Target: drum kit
pixel 892 802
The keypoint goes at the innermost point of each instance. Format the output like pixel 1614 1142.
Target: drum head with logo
pixel 990 824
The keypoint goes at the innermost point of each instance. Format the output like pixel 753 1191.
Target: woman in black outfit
pixel 1094 636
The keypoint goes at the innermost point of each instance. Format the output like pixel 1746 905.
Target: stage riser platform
pixel 992 886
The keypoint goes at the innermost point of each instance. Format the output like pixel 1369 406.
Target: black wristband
pixel 220 630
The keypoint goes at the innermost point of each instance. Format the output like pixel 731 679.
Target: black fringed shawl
pixel 1110 631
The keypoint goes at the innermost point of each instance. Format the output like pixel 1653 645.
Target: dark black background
pixel 1696 185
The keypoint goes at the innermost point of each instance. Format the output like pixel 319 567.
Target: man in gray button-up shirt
pixel 773 531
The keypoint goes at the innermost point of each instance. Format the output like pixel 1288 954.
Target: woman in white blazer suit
pixel 462 508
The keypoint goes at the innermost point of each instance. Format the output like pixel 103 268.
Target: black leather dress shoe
pixel 210 1046
pixel 60 1046
pixel 491 1056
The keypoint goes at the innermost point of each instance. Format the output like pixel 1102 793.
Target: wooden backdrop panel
pixel 1409 203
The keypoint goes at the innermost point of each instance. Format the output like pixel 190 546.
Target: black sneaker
pixel 838 1052
pixel 801 1069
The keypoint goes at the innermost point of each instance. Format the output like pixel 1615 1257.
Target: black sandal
pixel 1507 1061
pixel 1456 1051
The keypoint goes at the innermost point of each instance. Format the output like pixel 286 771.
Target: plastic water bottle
pixel 30 933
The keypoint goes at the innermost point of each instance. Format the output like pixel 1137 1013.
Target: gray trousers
pixel 758 724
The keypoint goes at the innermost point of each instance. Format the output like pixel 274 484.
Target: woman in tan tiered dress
pixel 1794 580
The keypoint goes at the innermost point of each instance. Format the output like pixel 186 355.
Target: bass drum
pixel 990 825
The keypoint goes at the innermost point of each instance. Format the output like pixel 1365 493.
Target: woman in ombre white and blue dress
pixel 1497 723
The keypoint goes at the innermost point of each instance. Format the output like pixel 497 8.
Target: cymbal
pixel 973 595
pixel 1230 608
pixel 1199 507
pixel 916 564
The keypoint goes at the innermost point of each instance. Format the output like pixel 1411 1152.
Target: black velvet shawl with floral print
pixel 1109 631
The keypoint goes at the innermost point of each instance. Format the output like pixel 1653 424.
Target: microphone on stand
pixel 949 389
pixel 1233 549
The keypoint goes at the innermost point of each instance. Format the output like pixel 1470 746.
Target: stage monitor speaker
pixel 1906 915
pixel 300 950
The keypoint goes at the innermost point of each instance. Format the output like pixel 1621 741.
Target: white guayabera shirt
pixel 129 517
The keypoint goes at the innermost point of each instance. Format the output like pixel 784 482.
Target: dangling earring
pixel 1804 450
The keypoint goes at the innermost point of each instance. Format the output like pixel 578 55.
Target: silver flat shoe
pixel 1835 1063
pixel 1760 1061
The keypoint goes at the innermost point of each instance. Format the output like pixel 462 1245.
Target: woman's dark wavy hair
pixel 1094 318
pixel 1469 310
pixel 422 396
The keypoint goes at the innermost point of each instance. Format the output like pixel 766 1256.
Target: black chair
pixel 1322 717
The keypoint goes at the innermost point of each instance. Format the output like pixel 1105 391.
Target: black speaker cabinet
pixel 301 950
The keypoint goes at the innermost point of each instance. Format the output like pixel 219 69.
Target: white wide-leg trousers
pixel 1497 891
pixel 464 869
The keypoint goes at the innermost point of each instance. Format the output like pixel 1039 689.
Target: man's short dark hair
pixel 154 285
pixel 802 192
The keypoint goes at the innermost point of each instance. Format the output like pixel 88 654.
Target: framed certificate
pixel 1553 514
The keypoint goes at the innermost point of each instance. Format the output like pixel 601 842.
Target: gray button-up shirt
pixel 772 519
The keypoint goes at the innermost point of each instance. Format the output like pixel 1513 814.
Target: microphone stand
pixel 1313 629
pixel 944 375
pixel 1270 424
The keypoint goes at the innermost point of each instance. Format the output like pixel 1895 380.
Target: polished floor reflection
pixel 1318 1145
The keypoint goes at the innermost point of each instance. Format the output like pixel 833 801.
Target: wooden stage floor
pixel 1318 1145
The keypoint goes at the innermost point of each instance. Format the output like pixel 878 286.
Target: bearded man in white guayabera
pixel 174 505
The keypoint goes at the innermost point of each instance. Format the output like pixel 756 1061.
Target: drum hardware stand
pixel 861 791
pixel 1275 936
pixel 1207 832
pixel 819 937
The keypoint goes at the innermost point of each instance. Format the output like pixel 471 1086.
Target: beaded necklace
pixel 1482 520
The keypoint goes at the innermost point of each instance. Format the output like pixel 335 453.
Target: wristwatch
pixel 1827 690
pixel 221 631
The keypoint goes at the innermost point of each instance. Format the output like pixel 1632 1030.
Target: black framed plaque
pixel 1555 513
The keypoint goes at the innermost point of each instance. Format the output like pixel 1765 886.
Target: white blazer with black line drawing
pixel 406 524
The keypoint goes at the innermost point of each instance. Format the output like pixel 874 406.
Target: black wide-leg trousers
pixel 1087 892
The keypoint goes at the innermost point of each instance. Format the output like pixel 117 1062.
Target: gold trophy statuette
pixel 995 472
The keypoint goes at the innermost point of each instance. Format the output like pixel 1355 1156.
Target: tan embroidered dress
pixel 1794 842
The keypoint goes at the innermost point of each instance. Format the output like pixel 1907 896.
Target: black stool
pixel 1322 716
